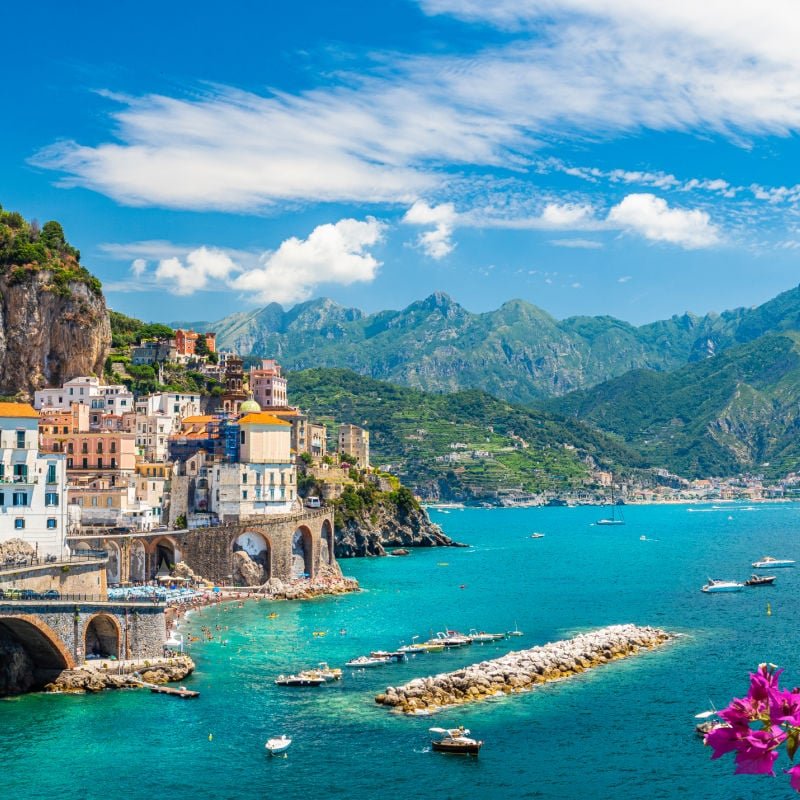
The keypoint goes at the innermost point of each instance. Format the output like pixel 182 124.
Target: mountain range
pixel 517 352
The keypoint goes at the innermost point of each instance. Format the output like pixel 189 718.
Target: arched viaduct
pixel 285 547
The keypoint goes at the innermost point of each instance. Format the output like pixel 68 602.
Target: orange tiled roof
pixel 198 419
pixel 262 419
pixel 18 410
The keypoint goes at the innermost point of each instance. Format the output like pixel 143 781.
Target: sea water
pixel 623 730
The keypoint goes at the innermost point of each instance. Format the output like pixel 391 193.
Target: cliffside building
pixel 33 489
pixel 101 398
pixel 186 342
pixel 354 441
pixel 268 386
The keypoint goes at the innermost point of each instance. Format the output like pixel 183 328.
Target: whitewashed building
pixel 33 487
pixel 103 398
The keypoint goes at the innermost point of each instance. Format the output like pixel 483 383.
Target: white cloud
pixel 579 244
pixel 436 243
pixel 651 217
pixel 194 274
pixel 332 253
pixel 566 215
pixel 138 267
pixel 624 278
pixel 390 133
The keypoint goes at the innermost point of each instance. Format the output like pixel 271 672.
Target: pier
pixel 520 671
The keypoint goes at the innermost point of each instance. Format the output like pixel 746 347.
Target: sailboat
pixel 614 519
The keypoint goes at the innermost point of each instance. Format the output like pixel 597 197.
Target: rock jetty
pixel 520 671
pixel 91 678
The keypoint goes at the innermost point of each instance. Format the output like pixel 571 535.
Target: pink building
pixel 267 384
pixel 107 451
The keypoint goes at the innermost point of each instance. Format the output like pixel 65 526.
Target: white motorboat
pixel 278 744
pixel 413 648
pixel 323 671
pixel 453 638
pixel 367 661
pixel 515 632
pixel 768 562
pixel 302 679
pixel 483 636
pixel 714 585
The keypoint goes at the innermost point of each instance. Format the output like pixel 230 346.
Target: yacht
pixel 323 671
pixel 714 585
pixel 453 639
pixel 303 679
pixel 614 519
pixel 455 740
pixel 365 661
pixel 483 636
pixel 760 580
pixel 768 562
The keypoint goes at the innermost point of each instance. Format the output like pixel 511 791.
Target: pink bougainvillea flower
pixel 763 680
pixel 784 707
pixel 756 752
pixel 723 739
pixel 744 710
pixel 794 774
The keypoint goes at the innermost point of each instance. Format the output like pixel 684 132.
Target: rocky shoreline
pixel 97 679
pixel 520 671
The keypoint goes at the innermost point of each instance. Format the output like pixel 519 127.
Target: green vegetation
pixel 483 445
pixel 26 249
pixel 738 411
pixel 127 331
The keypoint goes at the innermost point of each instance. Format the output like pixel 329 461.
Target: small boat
pixel 613 519
pixel 714 585
pixel 412 649
pixel 303 679
pixel 273 615
pixel 768 562
pixel 453 639
pixel 367 661
pixel 433 646
pixel 537 536
pixel 278 744
pixel 455 740
pixel 319 633
pixel 323 671
pixel 515 632
pixel 181 692
pixel 760 580
pixel 397 655
pixel 483 636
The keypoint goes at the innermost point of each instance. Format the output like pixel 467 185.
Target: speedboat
pixel 413 648
pixel 455 740
pixel 768 562
pixel 714 585
pixel 537 536
pixel 483 636
pixel 397 655
pixel 433 646
pixel 760 580
pixel 303 679
pixel 453 639
pixel 367 661
pixel 323 671
pixel 278 744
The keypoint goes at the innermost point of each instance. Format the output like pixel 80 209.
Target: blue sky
pixel 590 156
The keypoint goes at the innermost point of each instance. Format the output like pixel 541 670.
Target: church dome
pixel 249 407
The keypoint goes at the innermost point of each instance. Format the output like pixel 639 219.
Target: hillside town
pixel 89 455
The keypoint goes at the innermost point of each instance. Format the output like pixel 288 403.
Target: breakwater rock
pixel 521 670
pixel 97 679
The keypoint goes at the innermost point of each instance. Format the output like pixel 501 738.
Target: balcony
pixel 21 480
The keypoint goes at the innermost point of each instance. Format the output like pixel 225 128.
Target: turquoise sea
pixel 623 730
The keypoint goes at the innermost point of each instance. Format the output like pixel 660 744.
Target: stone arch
pixel 326 543
pixel 302 553
pixel 113 565
pixel 43 649
pixel 102 636
pixel 165 554
pixel 138 561
pixel 253 564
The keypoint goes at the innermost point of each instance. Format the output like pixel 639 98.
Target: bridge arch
pixel 39 640
pixel 326 543
pixel 102 636
pixel 114 563
pixel 258 547
pixel 138 562
pixel 164 554
pixel 302 553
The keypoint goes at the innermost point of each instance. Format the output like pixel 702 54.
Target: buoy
pixel 769 610
pixel 210 737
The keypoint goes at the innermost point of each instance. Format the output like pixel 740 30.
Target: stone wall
pixel 76 578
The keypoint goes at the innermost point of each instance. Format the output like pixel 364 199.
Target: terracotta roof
pixel 262 419
pixel 198 419
pixel 18 410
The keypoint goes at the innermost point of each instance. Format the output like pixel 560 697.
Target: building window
pixel 94 501
pixel 113 463
pixel 51 473
pixel 51 498
pixel 244 477
pixel 66 429
pixel 242 437
pixel 113 448
pixel 20 440
pixel 70 448
pixel 20 473
pixel 85 463
pixel 99 447
pixel 2 498
pixel 99 463
pixel 19 523
pixel 20 498
pixel 69 463
pixel 85 447
pixel 51 523
pixel 109 501
pixel 244 494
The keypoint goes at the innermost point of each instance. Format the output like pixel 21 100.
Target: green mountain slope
pixel 735 412
pixel 465 445
pixel 517 352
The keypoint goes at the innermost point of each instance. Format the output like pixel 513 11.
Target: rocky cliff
pixel 53 319
pixel 386 525
pixel 48 336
